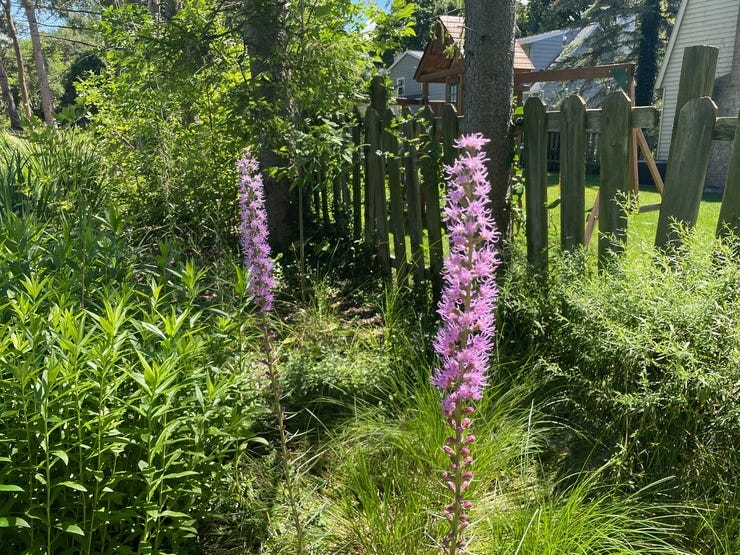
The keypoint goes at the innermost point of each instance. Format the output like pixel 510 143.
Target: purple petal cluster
pixel 465 337
pixel 254 233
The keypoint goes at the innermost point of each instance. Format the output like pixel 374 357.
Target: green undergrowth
pixel 645 360
pixel 134 417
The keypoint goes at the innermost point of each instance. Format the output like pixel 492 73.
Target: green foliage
pixel 127 399
pixel 646 359
pixel 164 121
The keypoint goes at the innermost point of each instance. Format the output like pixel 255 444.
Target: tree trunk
pixel 488 91
pixel 15 121
pixel 647 53
pixel 22 82
pixel 266 39
pixel 38 56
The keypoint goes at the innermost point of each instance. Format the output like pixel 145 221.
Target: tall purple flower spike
pixel 465 337
pixel 254 243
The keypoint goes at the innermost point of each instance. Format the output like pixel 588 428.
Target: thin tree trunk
pixel 22 82
pixel 38 56
pixel 266 39
pixel 647 53
pixel 488 92
pixel 15 120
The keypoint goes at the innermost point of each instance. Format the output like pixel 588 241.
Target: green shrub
pixel 120 427
pixel 646 359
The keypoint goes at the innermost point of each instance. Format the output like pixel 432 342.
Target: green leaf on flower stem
pixel 71 529
pixel 62 456
pixel 182 474
pixel 11 487
pixel 13 522
pixel 161 514
pixel 74 486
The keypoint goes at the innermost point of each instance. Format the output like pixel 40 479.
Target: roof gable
pixel 449 36
pixel 415 54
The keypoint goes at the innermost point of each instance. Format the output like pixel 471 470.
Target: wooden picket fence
pixel 396 176
pixel 398 211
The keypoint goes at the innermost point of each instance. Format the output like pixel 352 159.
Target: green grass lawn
pixel 642 226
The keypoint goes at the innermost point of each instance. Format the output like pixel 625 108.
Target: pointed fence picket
pixel 397 184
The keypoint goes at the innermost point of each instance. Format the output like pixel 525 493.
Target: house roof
pixel 543 36
pixel 436 64
pixel 417 54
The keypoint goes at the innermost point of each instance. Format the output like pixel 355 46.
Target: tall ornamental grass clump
pixel 126 396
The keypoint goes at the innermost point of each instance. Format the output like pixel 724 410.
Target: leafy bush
pixel 646 358
pixel 125 400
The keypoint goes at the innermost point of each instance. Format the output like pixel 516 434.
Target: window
pixel 453 93
pixel 400 86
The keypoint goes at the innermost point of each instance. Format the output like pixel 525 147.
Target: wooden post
pixel 687 167
pixel 378 95
pixel 414 199
pixel 356 176
pixel 634 180
pixel 432 178
pixel 614 181
pixel 698 69
pixel 376 191
pixel 450 132
pixel 572 172
pixel 729 213
pixel 535 181
pixel 393 168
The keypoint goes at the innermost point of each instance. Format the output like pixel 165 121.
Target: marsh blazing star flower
pixel 465 337
pixel 253 229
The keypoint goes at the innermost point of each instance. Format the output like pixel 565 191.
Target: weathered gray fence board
pixel 356 177
pixel 572 172
pixel 729 213
pixel 698 73
pixel 393 168
pixel 535 181
pixel 376 191
pixel 686 170
pixel 413 195
pixel 450 132
pixel 431 179
pixel 614 179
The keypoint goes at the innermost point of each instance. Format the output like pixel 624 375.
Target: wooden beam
pixel 642 116
pixel 724 129
pixel 571 74
pixel 442 74
pixel 657 179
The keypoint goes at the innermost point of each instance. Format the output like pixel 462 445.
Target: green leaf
pixel 71 529
pixel 10 487
pixel 62 456
pixel 13 522
pixel 182 474
pixel 73 485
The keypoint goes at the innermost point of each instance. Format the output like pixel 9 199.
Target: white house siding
pixel 710 22
pixel 405 67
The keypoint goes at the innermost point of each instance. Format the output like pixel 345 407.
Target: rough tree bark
pixel 266 39
pixel 647 52
pixel 488 90
pixel 15 121
pixel 38 56
pixel 22 82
